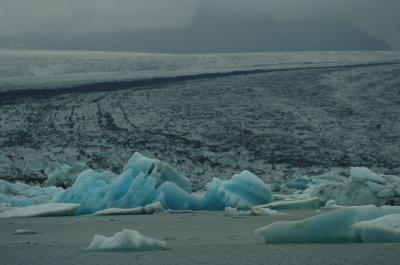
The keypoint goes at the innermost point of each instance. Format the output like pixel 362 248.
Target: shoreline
pixel 195 238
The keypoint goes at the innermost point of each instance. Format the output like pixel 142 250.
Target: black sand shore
pixel 193 238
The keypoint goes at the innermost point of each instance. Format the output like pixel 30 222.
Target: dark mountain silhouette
pixel 214 31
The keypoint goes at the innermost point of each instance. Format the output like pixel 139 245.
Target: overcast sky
pixel 379 18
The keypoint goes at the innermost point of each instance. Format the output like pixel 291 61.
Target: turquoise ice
pixel 145 181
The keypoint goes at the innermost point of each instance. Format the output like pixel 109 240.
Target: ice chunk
pixel 299 182
pixel 4 207
pixel 127 240
pixel 383 229
pixel 95 192
pixel 24 232
pixel 20 194
pixel 229 212
pixel 161 171
pixel 136 188
pixel 333 226
pixel 242 191
pixel 347 194
pixel 42 210
pixel 148 209
pixel 119 211
pixel 331 204
pixel 362 188
pixel 153 208
pixel 66 175
pixel 310 203
pixel 291 197
pixel 175 198
pixel 363 174
pixel 328 178
pixel 259 211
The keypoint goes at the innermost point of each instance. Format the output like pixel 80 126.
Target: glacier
pixel 145 181
pixel 329 227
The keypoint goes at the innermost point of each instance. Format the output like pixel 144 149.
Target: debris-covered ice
pixel 127 240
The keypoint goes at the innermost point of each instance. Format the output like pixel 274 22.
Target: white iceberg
pixel 127 240
pixel 383 229
pixel 333 226
pixel 42 210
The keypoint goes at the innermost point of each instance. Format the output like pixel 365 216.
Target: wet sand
pixel 193 238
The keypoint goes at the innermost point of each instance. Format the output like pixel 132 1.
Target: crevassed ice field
pixel 276 114
pixel 293 147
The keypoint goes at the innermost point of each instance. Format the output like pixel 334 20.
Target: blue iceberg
pixel 146 181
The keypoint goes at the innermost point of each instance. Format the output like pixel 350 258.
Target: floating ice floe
pixel 21 194
pixel 127 240
pixel 42 210
pixel 383 229
pixel 145 181
pixel 333 226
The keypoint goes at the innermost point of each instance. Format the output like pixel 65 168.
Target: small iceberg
pixel 334 226
pixel 148 209
pixel 42 210
pixel 24 232
pixel 127 240
pixel 310 203
pixel 120 211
